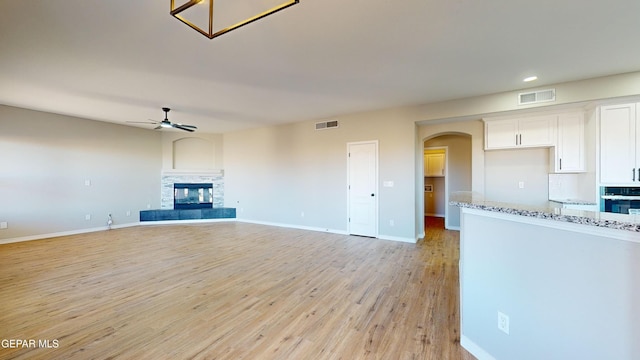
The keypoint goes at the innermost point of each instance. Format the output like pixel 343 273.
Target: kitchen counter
pixel 573 202
pixel 594 218
pixel 566 278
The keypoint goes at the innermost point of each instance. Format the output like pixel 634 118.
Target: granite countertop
pixel 473 200
pixel 573 201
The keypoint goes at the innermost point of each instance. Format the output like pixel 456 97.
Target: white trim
pixel 64 233
pixel 454 228
pixel 333 231
pixel 421 236
pixel 291 226
pixel 197 221
pixel 474 349
pixel 624 235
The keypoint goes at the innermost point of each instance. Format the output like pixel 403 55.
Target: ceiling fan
pixel 166 123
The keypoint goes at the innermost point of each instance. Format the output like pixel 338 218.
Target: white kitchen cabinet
pixel 619 144
pixel 534 131
pixel 569 153
pixel 434 164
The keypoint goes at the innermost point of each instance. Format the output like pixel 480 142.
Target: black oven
pixel 619 199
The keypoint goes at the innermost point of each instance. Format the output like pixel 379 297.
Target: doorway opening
pixel 447 169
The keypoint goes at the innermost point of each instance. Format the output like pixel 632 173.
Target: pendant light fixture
pixel 213 18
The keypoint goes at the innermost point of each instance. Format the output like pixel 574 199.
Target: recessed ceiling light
pixel 530 78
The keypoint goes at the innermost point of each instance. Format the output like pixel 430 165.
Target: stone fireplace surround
pixel 167 212
pixel 169 178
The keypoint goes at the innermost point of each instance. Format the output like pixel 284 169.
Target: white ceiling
pixel 122 61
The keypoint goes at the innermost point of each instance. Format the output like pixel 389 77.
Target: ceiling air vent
pixel 327 125
pixel 537 97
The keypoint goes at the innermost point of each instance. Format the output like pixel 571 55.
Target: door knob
pixel 372 194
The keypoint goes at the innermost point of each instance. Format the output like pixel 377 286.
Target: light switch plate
pixel 4 225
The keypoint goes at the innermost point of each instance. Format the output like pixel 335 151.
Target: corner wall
pixel 57 169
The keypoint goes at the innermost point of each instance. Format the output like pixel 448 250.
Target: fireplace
pixel 192 196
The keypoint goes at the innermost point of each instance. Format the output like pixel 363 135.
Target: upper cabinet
pixel 533 131
pixel 619 147
pixel 569 154
pixel 434 164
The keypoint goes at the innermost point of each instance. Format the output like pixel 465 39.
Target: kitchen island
pixel 565 282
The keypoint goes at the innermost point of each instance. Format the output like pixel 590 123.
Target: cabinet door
pixel 537 131
pixel 570 152
pixel 618 144
pixel 434 165
pixel 500 134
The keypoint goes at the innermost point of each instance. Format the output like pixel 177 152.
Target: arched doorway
pixel 455 175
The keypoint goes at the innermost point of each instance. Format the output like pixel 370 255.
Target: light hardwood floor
pixel 231 291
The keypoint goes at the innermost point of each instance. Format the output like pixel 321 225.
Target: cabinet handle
pixel 560 164
pixel 516 139
pixel 520 139
pixel 633 174
pixel 638 174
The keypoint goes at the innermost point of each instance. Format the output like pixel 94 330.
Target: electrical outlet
pixel 87 182
pixel 87 217
pixel 128 212
pixel 4 225
pixel 521 185
pixel 148 206
pixel 392 223
pixel 503 322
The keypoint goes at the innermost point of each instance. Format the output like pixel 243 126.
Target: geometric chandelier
pixel 229 14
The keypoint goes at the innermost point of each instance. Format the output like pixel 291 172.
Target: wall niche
pixel 192 153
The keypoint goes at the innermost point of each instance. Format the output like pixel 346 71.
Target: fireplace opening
pixel 192 196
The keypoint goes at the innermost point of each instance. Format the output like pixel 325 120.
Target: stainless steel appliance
pixel 618 199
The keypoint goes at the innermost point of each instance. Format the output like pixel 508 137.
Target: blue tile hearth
pixel 188 214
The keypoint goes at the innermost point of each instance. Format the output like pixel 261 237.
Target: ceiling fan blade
pixel 142 122
pixel 157 127
pixel 177 126
pixel 188 126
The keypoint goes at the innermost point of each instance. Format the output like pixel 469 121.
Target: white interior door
pixel 363 188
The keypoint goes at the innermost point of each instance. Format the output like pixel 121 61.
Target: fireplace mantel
pixel 199 172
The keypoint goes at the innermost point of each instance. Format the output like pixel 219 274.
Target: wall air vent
pixel 537 97
pixel 327 125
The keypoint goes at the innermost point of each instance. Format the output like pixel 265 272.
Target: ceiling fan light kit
pixel 166 124
pixel 229 14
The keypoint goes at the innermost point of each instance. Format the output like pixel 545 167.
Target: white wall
pixel 274 174
pixel 505 169
pixel 46 160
